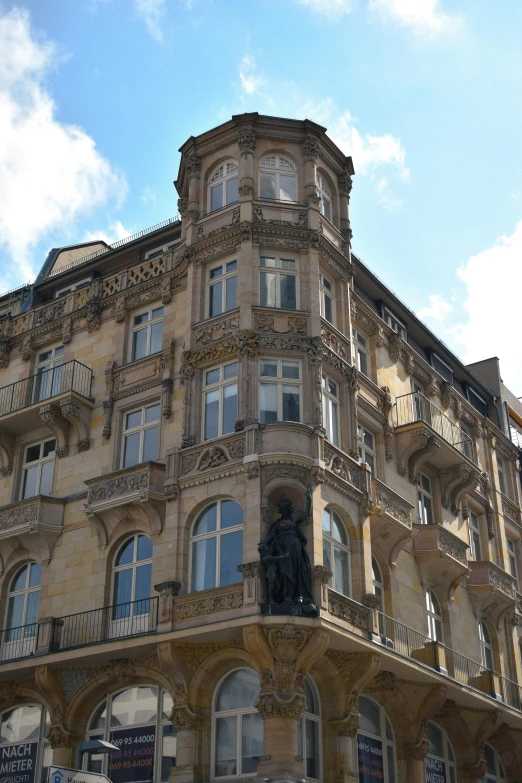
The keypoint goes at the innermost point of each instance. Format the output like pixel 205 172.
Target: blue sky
pixel 96 96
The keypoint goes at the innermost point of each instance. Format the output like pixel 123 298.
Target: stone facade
pixel 372 639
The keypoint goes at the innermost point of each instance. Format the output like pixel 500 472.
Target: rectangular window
pixel 278 284
pixel 441 367
pixel 158 251
pixel 220 401
pixel 48 378
pixel 279 390
pixel 37 478
pixel 222 288
pixel 141 435
pixel 501 475
pixel 393 322
pixel 467 440
pixel 512 558
pixel 73 287
pixel 327 298
pixel 478 402
pixel 331 409
pixel 475 548
pixel 425 498
pixel 366 447
pixel 361 356
pixel 146 333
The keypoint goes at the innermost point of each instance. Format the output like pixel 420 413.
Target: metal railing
pixel 469 672
pixel 19 642
pixel 72 376
pixel 406 641
pixel 118 621
pixel 416 407
pixel 511 693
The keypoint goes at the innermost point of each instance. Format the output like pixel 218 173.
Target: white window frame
pixel 37 462
pixel 486 647
pixel 434 615
pixel 449 756
pixel 134 616
pixel 280 382
pixel 222 174
pixel 279 271
pixel 160 249
pixel 499 776
pixel 84 283
pixel 378 591
pixel 316 719
pixel 511 545
pixel 218 386
pixel 326 291
pixel 148 326
pixel 502 476
pixel 364 450
pixel 132 566
pixel 218 533
pixel 331 409
pixel 19 640
pixel 395 324
pixel 425 500
pixel 223 279
pixel 278 169
pixel 330 542
pixel 141 429
pixel 326 196
pixel 383 738
pixel 47 381
pixel 361 348
pixel 449 370
pixel 475 536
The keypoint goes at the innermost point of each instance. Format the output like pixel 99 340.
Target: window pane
pixel 152 413
pixel 230 294
pixel 267 402
pixel 326 522
pixel 168 751
pixel 211 414
pixel 270 262
pixel 428 511
pixel 15 614
pixel 30 482
pixel 327 308
pixel 267 289
pixel 231 514
pixel 291 403
pixel 226 746
pixel 229 408
pixel 287 263
pixel 213 376
pixel 231 190
pixel 288 288
pixel 363 362
pixel 140 319
pixel 208 521
pixel 230 371
pixel 287 187
pixel 122 593
pixel 49 448
pixel 35 577
pixel 31 612
pixel 369 717
pixel 312 748
pixel 334 423
pixel 267 186
pixel 216 272
pixel 156 331
pixel 157 312
pixel 216 197
pixel 144 548
pixel 327 208
pixel 150 444
pixel 139 344
pixel 231 556
pixel 291 369
pixel 251 742
pixel 33 453
pixel 131 450
pixel 341 584
pixel 391 764
pixel 231 266
pixel 215 299
pixel 142 588
pixel 126 554
pixel 133 420
pixel 327 561
pixel 46 477
pixel 268 368
pixel 204 564
pixel 135 706
pixel 238 691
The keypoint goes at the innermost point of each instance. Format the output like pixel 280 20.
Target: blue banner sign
pixel 134 761
pixel 370 759
pixel 435 770
pixel 18 762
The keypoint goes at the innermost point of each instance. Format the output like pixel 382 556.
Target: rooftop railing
pixel 72 376
pixel 413 407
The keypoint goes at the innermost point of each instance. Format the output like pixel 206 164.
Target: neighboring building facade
pixel 157 400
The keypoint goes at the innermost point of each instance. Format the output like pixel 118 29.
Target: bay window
pixel 37 478
pixel 146 333
pixel 279 390
pixel 330 397
pixel 141 435
pixel 222 288
pixel 222 189
pixel 278 283
pixel 220 400
pixel 277 179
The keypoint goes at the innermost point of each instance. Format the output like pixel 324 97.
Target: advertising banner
pixel 134 761
pixel 18 763
pixel 435 770
pixel 370 759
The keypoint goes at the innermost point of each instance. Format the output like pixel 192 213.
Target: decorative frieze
pixel 310 148
pixel 348 610
pixel 218 329
pixel 280 323
pixel 191 607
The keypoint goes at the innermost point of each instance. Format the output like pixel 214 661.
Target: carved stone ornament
pixel 200 607
pixel 246 190
pixel 310 148
pixel 270 706
pixel 192 164
pixel 119 486
pixel 213 458
pixel 451 547
pixel 345 185
pixel 246 140
pixel 49 313
pixel 59 737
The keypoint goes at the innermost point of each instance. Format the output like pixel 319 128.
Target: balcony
pixel 424 433
pixel 36 523
pixel 391 523
pixel 491 589
pixel 441 556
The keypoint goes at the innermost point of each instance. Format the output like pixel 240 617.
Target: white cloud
pixel 149 197
pixel 386 196
pixel 438 308
pixel 333 9
pixel 114 232
pixel 152 13
pixel 50 173
pixel 424 17
pixel 492 327
pixel 250 81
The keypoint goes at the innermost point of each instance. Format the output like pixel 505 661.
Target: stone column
pixel 246 141
pixel 188 744
pixel 63 744
pixel 192 210
pixel 345 187
pixel 167 591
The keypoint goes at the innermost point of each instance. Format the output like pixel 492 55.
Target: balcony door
pixel 130 613
pixel 48 378
pixel 19 636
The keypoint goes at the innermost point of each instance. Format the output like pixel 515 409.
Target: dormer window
pixel 277 179
pixel 222 189
pixel 441 367
pixel 73 287
pixel 393 322
pixel 478 402
pixel 326 196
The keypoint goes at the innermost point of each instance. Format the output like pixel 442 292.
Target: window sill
pixel 221 209
pixel 213 318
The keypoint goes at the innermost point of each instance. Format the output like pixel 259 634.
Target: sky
pixel 97 96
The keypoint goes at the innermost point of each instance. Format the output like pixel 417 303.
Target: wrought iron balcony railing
pixel 413 407
pixel 71 376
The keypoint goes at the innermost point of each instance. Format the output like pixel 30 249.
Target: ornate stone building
pixel 169 403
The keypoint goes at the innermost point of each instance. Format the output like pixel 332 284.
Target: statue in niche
pixel 284 555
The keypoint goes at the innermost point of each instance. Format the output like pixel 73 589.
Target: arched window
pixel 486 647
pixel 326 196
pixel 217 546
pixel 434 612
pixel 135 718
pixel 277 179
pixel 132 578
pixel 222 188
pixel 237 730
pixel 494 767
pixel 336 551
pixel 375 743
pixel 309 732
pixel 21 624
pixel 26 726
pixel 378 591
pixel 441 758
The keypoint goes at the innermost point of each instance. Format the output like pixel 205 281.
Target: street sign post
pixel 66 775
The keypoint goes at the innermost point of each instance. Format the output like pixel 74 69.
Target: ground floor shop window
pixel 440 761
pixel 136 720
pixel 25 754
pixel 375 744
pixel 237 727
